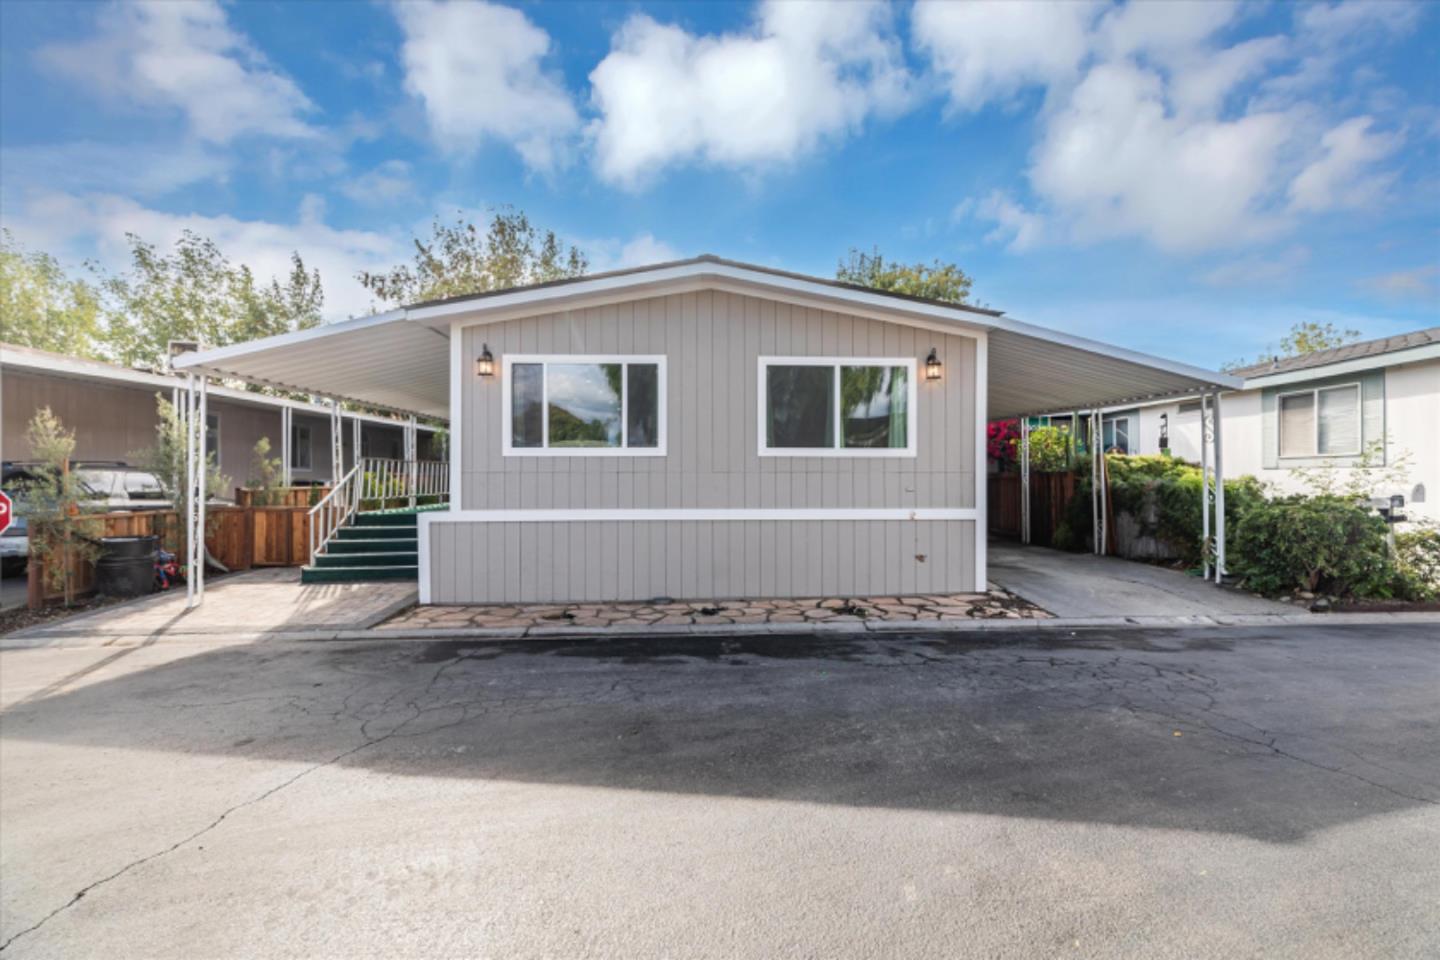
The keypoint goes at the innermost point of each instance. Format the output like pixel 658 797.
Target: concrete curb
pixel 872 630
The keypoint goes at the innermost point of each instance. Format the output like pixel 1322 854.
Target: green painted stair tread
pixel 357 574
pixel 386 545
pixel 394 559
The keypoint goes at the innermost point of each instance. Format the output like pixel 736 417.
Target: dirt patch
pixel 1387 606
pixel 18 618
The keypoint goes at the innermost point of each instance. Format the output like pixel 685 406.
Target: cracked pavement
pixel 1155 793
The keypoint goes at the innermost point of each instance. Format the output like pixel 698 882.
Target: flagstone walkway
pixel 993 605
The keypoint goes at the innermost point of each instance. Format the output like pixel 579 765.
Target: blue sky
pixel 1185 179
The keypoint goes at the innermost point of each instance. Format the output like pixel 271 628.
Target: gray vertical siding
pixel 543 562
pixel 712 341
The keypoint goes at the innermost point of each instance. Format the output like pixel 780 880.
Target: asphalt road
pixel 1215 792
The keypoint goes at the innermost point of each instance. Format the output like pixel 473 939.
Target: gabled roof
pixel 1366 349
pixel 401 359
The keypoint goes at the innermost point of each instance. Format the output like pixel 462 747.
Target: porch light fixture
pixel 932 366
pixel 485 363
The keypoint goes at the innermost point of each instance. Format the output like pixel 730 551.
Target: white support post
pixel 1205 437
pixel 285 417
pixel 412 454
pixel 202 487
pixel 1025 480
pixel 1097 498
pixel 188 505
pixel 1219 494
pixel 454 441
pixel 355 429
pixel 337 443
pixel 982 479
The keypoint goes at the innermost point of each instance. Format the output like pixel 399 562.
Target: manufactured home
pixel 702 428
pixel 112 410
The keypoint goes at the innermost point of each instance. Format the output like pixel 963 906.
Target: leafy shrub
pixel 1163 495
pixel 1049 449
pixel 1417 562
pixel 1326 544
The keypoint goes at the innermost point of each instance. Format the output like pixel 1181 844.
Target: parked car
pixel 120 487
pixel 14 546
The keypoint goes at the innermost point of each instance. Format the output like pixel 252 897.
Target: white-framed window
pixel 1115 434
pixel 212 436
pixel 837 407
pixel 583 405
pixel 1322 422
pixel 300 453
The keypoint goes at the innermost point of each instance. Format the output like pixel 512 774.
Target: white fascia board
pixel 636 283
pixel 207 358
pixel 1429 351
pixel 709 515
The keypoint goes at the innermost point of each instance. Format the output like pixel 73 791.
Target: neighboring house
pixel 112 410
pixel 704 429
pixel 1323 409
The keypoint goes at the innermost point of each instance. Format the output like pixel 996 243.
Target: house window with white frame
pixel 300 453
pixel 834 406
pixel 1323 422
pixel 584 406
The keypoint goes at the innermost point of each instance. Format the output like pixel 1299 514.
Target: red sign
pixel 7 511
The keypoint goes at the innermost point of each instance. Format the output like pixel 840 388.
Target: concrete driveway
pixel 1218 792
pixel 1082 585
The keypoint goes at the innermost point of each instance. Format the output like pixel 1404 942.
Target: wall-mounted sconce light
pixel 932 366
pixel 485 363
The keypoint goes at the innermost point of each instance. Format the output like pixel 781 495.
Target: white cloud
pixel 1336 24
pixel 638 251
pixel 387 182
pixel 803 73
pixel 478 68
pixel 186 57
pixel 1259 271
pixel 1020 229
pixel 84 226
pixel 1118 163
pixel 1422 283
pixel 89 166
pixel 990 51
pixel 1338 178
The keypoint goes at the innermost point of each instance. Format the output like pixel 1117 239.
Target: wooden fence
pixel 1050 496
pixel 240 537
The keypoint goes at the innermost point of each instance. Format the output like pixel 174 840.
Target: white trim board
pixel 719 514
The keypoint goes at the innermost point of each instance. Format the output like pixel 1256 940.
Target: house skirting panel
pixel 543 556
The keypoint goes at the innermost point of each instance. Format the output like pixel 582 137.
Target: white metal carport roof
pixel 400 360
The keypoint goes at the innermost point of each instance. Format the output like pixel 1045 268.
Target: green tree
pixel 933 281
pixel 42 307
pixel 166 460
pixel 266 476
pixel 460 259
pixel 62 531
pixel 1304 337
pixel 195 293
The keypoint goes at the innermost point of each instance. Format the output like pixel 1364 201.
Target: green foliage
pixel 934 281
pixel 1417 562
pixel 266 476
pixel 166 459
pixel 62 531
pixel 1050 449
pixel 459 259
pixel 1304 337
pixel 1163 495
pixel 1325 544
pixel 44 308
pixel 196 293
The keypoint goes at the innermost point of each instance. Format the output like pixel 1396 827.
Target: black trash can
pixel 126 567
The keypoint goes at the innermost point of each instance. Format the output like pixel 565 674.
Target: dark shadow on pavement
pixel 1268 734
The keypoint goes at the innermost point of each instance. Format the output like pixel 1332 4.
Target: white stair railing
pixel 377 483
pixel 332 511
